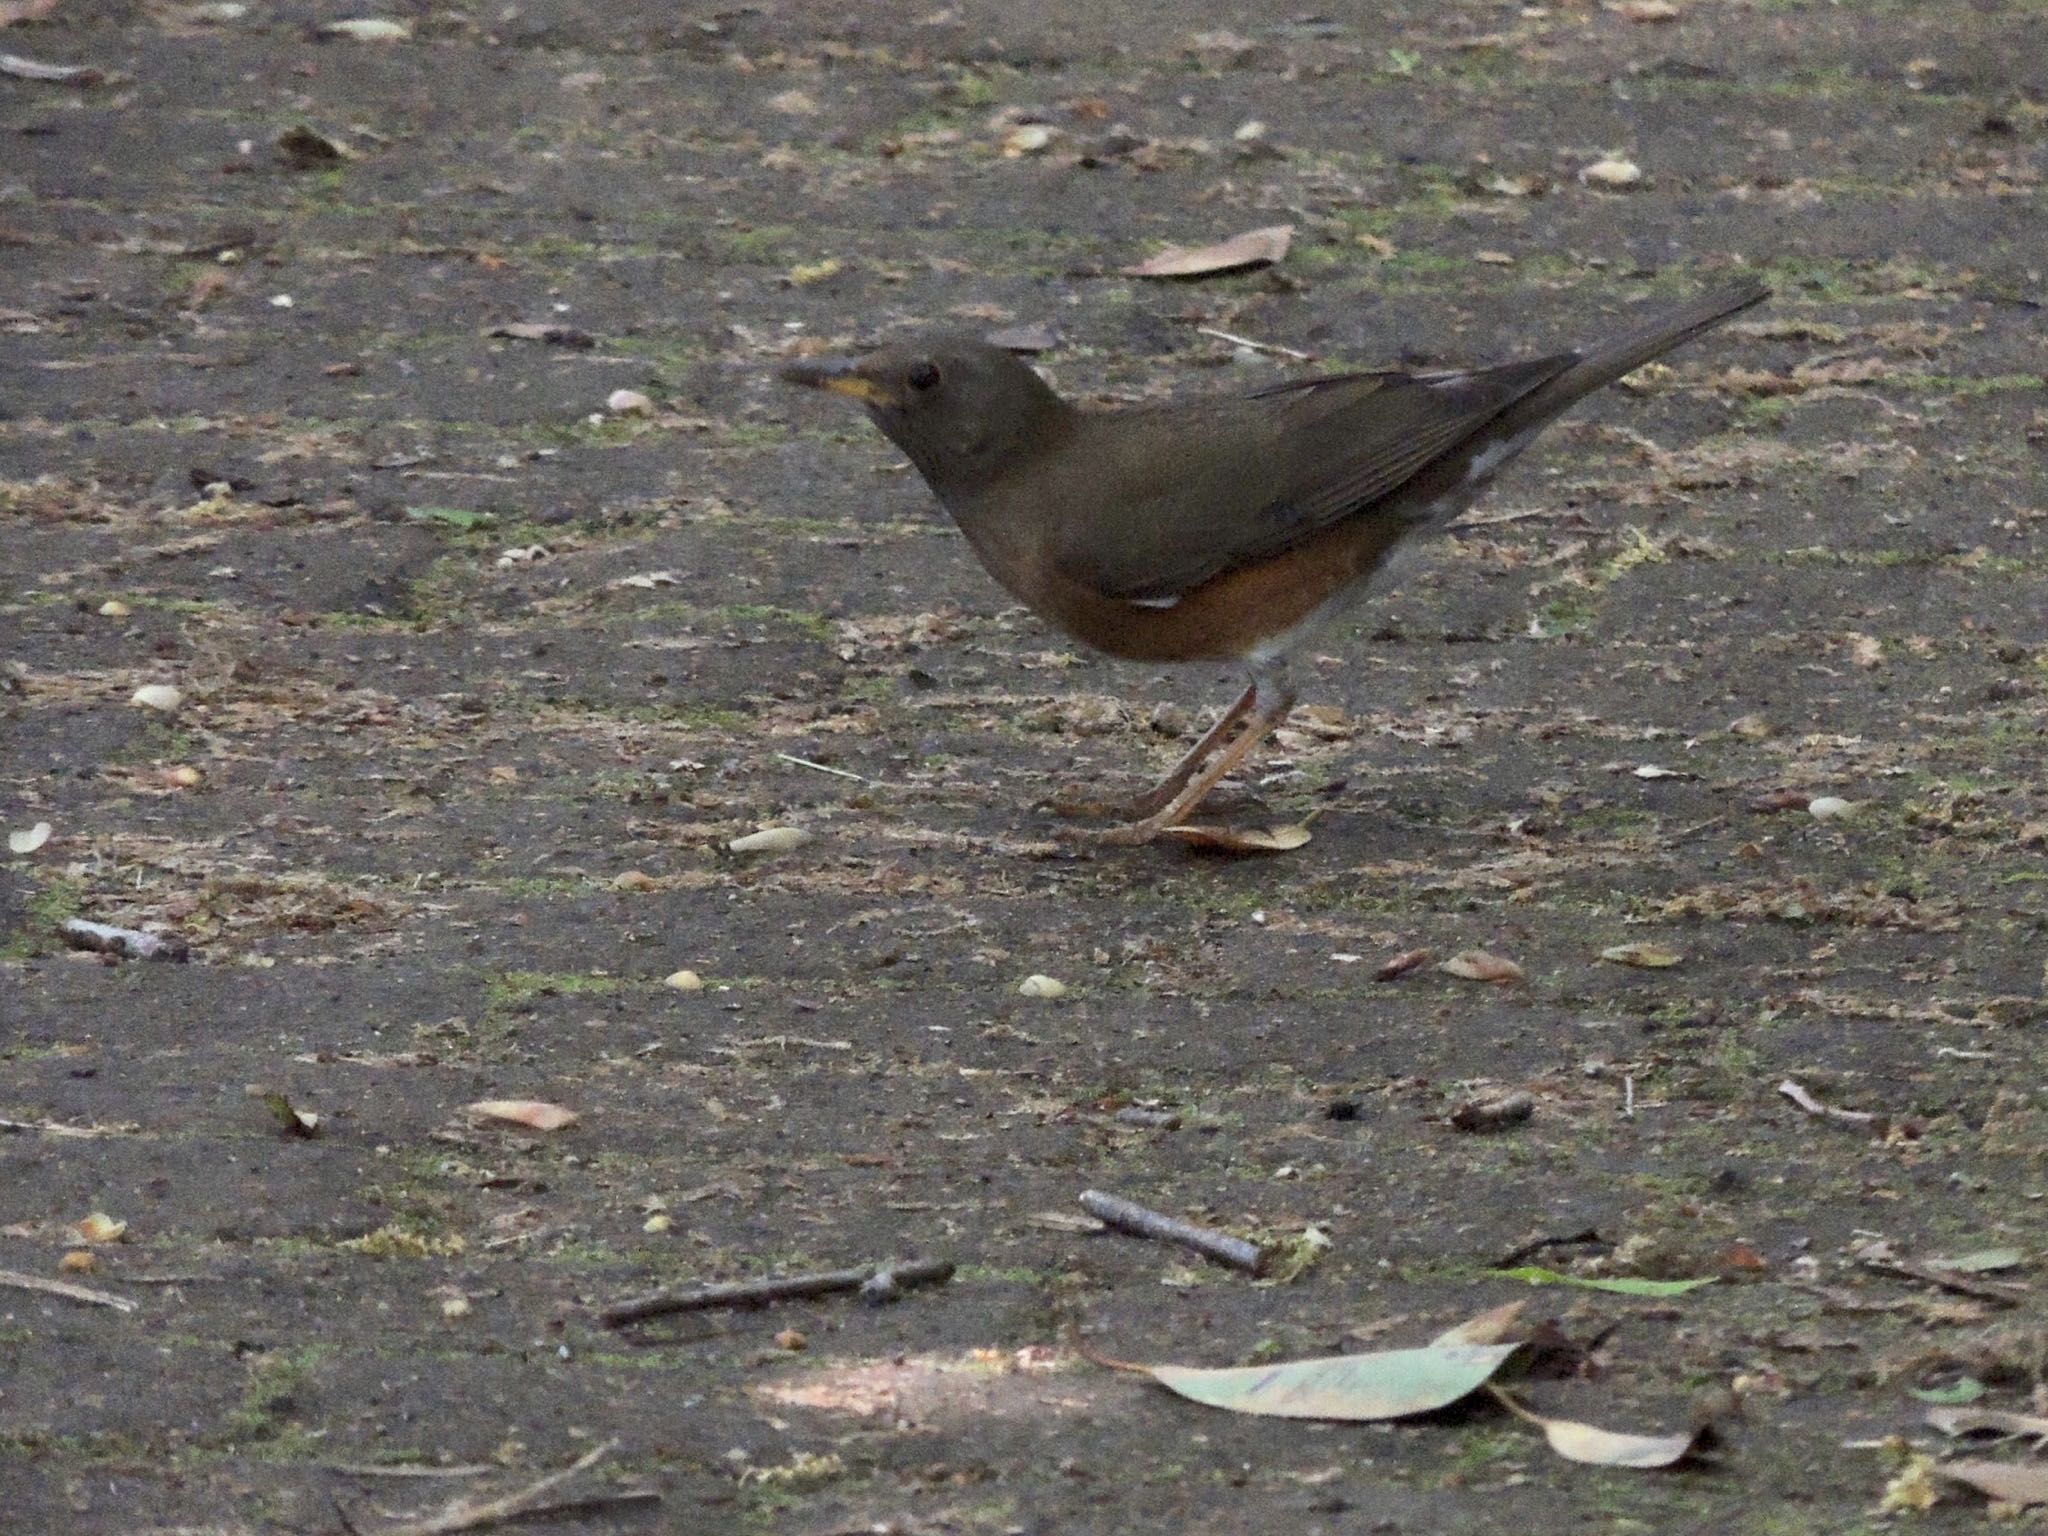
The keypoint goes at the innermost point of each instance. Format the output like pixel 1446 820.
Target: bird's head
pixel 963 410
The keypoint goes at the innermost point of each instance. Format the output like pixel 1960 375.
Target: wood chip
pixel 1254 248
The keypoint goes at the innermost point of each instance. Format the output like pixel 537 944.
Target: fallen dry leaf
pixel 1500 1325
pixel 770 840
pixel 1494 1112
pixel 290 1120
pixel 2007 1482
pixel 534 1114
pixel 303 147
pixel 369 29
pixel 1649 957
pixel 1479 965
pixel 1612 171
pixel 161 697
pixel 1217 839
pixel 30 840
pixel 1406 961
pixel 99 1227
pixel 1390 1384
pixel 1593 1446
pixel 1028 139
pixel 1254 248
pixel 1988 1421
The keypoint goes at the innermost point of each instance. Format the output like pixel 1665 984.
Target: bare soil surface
pixel 480 679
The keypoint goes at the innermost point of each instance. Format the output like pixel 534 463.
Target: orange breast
pixel 1226 617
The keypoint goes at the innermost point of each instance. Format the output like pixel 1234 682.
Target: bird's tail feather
pixel 1606 363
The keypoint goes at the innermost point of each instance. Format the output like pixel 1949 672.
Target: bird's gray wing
pixel 1244 478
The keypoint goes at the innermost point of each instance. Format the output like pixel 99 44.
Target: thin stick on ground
pixel 2004 1293
pixel 1794 1091
pixel 405 1469
pixel 54 1128
pixel 1257 346
pixel 818 767
pixel 876 1280
pixel 1527 1251
pixel 1126 1216
pixel 469 1515
pixel 65 1289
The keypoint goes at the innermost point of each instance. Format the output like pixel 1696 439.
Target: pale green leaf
pixel 1620 1285
pixel 1390 1384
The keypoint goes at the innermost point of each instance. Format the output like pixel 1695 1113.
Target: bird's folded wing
pixel 1251 476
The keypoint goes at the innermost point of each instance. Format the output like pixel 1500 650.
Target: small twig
pixel 1257 346
pixel 2005 1293
pixel 805 762
pixel 1685 833
pixel 53 1128
pixel 1125 1216
pixel 1537 1245
pixel 65 1289
pixel 402 1469
pixel 1820 1111
pixel 128 943
pixel 1525 515
pixel 779 1042
pixel 878 1281
pixel 464 1515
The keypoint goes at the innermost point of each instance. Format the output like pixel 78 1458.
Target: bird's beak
pixel 841 375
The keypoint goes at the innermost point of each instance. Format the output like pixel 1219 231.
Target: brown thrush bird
pixel 1227 527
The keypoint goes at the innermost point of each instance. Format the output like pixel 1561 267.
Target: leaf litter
pixel 1253 248
pixel 1590 1445
pixel 1385 1384
pixel 1381 1385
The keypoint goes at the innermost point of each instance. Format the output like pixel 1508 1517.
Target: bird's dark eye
pixel 923 376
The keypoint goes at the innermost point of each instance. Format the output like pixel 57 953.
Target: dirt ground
pixel 480 679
